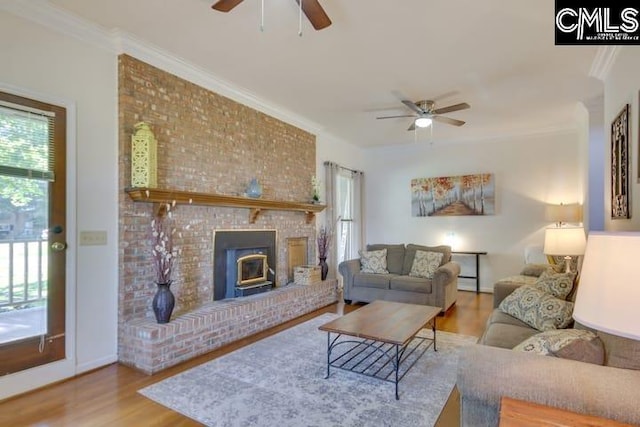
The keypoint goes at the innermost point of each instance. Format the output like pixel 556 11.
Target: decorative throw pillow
pixel 574 344
pixel 410 253
pixel 536 270
pixel 374 262
pixel 537 308
pixel 425 264
pixel 557 284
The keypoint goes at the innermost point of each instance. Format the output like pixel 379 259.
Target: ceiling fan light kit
pixel 423 122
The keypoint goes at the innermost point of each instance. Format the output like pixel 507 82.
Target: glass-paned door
pixel 32 233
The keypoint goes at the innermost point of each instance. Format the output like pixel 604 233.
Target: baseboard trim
pixel 471 288
pixel 95 364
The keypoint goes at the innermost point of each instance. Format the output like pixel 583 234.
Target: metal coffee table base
pixel 385 361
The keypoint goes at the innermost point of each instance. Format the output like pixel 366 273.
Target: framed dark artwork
pixel 620 165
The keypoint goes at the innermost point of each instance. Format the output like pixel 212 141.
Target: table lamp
pixel 562 214
pixel 564 241
pixel 609 289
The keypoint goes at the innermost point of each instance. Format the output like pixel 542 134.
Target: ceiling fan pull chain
pixel 300 19
pixel 431 131
pixel 262 15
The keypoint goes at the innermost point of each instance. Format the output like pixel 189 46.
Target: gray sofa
pixel 440 291
pixel 490 370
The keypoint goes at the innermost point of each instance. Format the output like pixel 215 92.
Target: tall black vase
pixel 324 268
pixel 163 303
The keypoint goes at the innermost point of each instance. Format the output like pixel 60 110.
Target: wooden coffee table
pixel 380 340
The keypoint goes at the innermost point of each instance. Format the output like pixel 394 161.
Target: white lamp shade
pixel 609 288
pixel 563 213
pixel 564 241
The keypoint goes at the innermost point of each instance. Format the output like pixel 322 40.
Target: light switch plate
pixel 93 238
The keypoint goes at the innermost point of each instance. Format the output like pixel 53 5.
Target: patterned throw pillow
pixel 557 284
pixel 537 269
pixel 574 344
pixel 425 264
pixel 537 308
pixel 374 262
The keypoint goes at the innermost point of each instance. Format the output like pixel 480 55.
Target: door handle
pixel 58 246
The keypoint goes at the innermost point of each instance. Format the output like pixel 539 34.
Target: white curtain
pixel 358 216
pixel 344 213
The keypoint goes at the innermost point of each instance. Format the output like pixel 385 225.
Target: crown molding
pixel 604 59
pixel 117 41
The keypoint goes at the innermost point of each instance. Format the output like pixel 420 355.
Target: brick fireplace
pixel 206 143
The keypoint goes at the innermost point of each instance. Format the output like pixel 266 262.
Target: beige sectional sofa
pixel 503 330
pixel 491 369
pixel 397 285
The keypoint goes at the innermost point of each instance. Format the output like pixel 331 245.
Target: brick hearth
pixel 150 347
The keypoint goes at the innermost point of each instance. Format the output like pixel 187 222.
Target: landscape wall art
pixel 453 195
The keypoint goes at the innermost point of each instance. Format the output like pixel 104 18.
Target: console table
pixel 477 276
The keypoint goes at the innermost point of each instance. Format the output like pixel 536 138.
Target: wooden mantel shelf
pixel 156 195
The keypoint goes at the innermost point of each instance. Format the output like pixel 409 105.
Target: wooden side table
pixel 518 413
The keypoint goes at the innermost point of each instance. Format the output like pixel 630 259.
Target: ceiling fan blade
pixel 451 108
pixel 395 117
pixel 413 106
pixel 413 126
pixel 448 120
pixel 315 13
pixel 225 5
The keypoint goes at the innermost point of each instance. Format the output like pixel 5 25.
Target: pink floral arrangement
pixel 324 240
pixel 325 234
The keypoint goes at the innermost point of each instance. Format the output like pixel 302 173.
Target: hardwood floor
pixel 108 396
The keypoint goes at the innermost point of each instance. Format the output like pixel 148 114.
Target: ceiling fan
pixel 315 13
pixel 425 112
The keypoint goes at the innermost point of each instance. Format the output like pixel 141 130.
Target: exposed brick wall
pixel 206 143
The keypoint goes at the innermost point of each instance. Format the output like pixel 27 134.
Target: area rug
pixel 280 381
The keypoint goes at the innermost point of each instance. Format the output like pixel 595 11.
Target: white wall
pixel 581 116
pixel 621 87
pixel 328 148
pixel 595 206
pixel 529 172
pixel 44 63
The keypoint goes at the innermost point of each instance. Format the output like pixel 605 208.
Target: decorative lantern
pixel 144 157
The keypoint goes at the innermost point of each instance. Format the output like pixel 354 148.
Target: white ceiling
pixel 497 55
